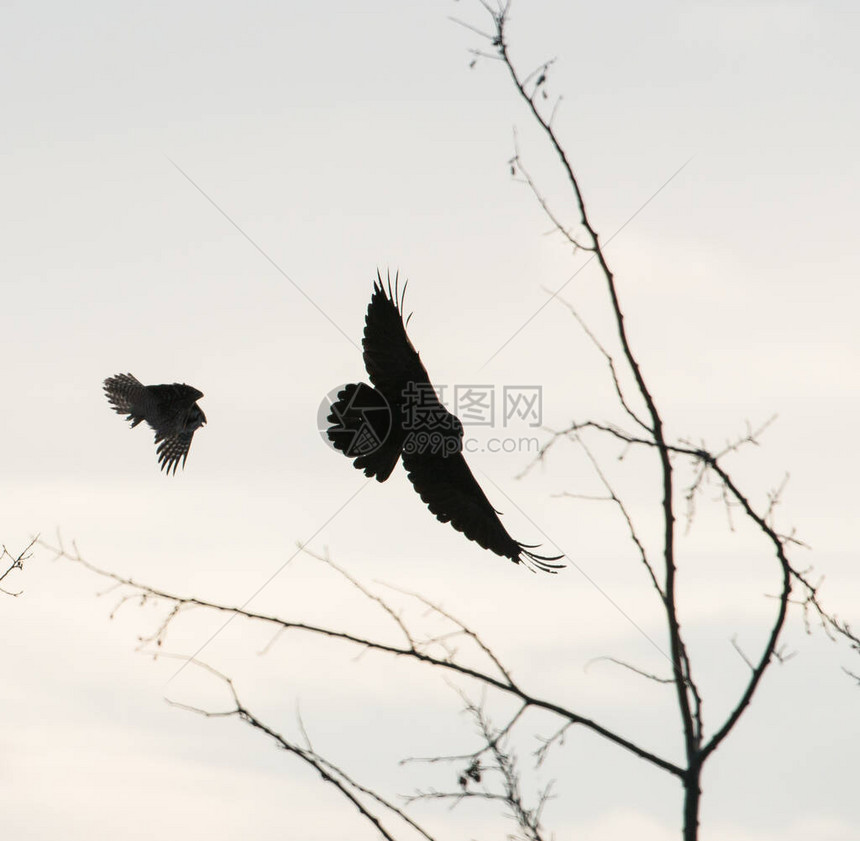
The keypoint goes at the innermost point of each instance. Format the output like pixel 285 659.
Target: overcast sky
pixel 201 193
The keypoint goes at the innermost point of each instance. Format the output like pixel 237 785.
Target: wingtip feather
pixel 545 563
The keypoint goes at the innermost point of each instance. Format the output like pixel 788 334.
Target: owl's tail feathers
pixel 125 393
pixel 364 429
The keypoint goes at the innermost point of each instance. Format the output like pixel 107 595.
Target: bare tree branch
pixel 630 527
pixel 504 769
pixel 14 562
pixel 330 773
pixel 636 669
pixel 610 361
pixel 516 163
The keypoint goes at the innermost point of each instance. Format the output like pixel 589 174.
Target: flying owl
pixel 401 417
pixel 171 410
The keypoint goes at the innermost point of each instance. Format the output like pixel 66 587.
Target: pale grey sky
pixel 343 137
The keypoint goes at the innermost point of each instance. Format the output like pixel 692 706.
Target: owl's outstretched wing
pixel 172 449
pixel 391 361
pixel 451 492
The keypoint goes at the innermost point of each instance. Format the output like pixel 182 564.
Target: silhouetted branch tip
pixel 630 667
pixel 14 562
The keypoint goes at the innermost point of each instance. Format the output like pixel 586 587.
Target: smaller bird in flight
pixel 170 409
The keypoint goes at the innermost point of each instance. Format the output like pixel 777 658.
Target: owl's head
pixel 196 418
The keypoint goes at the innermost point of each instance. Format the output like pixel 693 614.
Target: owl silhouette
pixel 400 418
pixel 170 409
